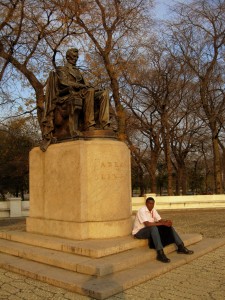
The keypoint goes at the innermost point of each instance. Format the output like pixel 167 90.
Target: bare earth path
pixel 203 278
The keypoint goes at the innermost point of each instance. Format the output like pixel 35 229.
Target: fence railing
pixel 14 208
pixel 181 202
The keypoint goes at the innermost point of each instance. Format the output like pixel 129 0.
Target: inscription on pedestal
pixel 111 170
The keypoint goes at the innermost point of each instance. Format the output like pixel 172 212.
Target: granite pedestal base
pixel 81 190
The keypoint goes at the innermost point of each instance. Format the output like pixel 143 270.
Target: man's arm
pixel 161 222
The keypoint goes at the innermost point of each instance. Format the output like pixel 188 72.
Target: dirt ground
pixel 209 223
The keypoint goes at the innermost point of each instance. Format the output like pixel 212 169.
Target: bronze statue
pixel 71 105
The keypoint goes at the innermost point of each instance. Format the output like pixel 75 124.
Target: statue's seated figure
pixel 71 105
pixel 63 107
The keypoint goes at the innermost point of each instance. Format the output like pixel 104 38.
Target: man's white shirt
pixel 144 215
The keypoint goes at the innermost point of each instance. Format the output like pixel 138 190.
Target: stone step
pixel 86 265
pixel 92 247
pixel 105 286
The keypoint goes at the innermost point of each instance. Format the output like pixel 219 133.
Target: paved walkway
pixel 203 278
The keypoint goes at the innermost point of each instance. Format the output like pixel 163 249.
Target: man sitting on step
pixel 149 225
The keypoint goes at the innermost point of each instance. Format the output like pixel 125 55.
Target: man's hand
pixel 167 223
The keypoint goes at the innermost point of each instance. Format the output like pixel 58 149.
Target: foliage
pixel 16 142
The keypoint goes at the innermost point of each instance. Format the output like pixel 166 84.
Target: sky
pixel 161 8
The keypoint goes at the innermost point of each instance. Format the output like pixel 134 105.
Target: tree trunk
pixel 183 180
pixel 153 184
pixel 223 164
pixel 178 181
pixel 121 116
pixel 141 182
pixel 166 142
pixel 217 166
pixel 152 173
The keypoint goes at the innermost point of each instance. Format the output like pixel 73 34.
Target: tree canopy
pixel 165 78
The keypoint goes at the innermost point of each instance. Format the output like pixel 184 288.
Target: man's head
pixel 150 202
pixel 72 55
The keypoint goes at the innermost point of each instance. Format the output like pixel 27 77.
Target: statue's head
pixel 70 53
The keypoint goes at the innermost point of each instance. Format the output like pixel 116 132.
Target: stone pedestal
pixel 81 190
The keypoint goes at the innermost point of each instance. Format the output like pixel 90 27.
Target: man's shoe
pixel 181 249
pixel 162 257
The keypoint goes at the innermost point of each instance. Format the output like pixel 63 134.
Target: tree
pixel 143 137
pixel 197 38
pixel 185 144
pixel 17 139
pixel 160 88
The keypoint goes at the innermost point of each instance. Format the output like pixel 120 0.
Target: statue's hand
pixel 80 86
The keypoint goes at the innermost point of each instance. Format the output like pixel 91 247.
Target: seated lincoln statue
pixel 72 105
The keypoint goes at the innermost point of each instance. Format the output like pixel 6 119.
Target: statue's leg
pixel 61 121
pixel 103 98
pixel 89 119
pixel 72 123
pixel 74 120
